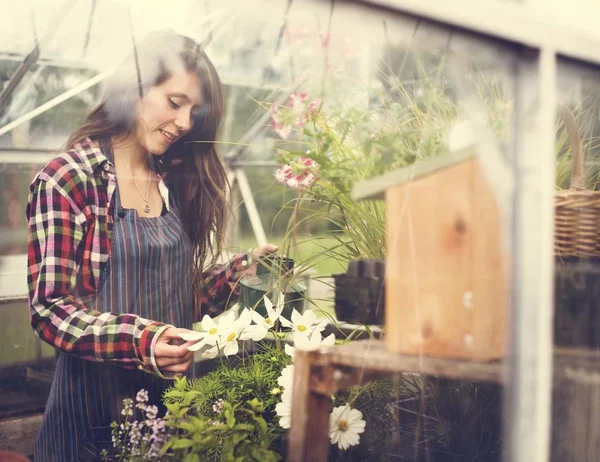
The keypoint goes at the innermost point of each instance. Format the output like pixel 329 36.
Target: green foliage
pixel 373 400
pixel 233 381
pixel 238 433
pixel 239 383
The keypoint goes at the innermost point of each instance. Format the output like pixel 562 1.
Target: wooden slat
pixel 374 188
pixel 308 439
pixel 373 355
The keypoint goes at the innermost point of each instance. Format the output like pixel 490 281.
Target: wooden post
pixel 309 432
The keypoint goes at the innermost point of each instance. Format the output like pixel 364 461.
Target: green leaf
pixel 181 443
pixel 237 437
pixel 173 408
pixel 263 455
pixel 191 458
pixel 229 417
pixel 256 405
pixel 181 384
pixel 243 427
pixel 208 442
pixel 227 451
pixel 166 446
pixel 263 429
pixel 176 394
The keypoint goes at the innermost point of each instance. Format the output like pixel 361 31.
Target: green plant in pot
pixel 274 275
pixel 360 292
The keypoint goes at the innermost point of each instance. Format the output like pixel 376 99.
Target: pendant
pixel 147 208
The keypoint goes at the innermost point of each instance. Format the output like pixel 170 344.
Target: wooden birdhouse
pixel 446 270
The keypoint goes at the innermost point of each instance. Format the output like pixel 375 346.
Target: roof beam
pixel 33 56
pixel 514 24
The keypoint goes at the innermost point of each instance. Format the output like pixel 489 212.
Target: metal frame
pixel 510 23
pixel 528 395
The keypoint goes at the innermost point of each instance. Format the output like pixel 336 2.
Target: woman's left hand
pixel 253 255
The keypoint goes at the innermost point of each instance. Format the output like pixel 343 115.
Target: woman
pixel 121 226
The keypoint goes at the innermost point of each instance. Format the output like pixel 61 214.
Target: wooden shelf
pixel 371 355
pixel 320 373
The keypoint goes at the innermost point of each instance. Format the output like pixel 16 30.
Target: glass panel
pixel 26 363
pixel 576 400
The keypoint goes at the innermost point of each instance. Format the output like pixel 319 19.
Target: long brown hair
pixel 192 167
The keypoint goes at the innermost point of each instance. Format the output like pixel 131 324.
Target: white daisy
pixel 228 340
pixel 284 409
pixel 309 343
pixel 304 324
pixel 264 324
pixel 289 349
pixel 345 424
pixel 229 333
pixel 212 331
pixel 286 379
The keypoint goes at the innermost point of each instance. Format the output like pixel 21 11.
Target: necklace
pixel 145 198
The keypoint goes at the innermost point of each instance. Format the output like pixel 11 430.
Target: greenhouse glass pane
pixel 576 398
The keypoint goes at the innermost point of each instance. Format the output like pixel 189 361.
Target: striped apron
pixel 148 274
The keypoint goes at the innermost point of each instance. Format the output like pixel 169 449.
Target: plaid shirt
pixel 70 213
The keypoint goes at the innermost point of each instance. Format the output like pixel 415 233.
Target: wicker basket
pixel 577 210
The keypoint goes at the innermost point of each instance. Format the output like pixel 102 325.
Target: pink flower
pixel 279 126
pixel 296 102
pixel 308 180
pixel 308 162
pixel 283 173
pixel 301 174
pixel 284 131
pixel 313 108
pixel 294 115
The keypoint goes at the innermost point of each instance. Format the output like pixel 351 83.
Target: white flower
pixel 304 324
pixel 314 341
pixel 211 352
pixel 309 343
pixel 212 331
pixel 308 180
pixel 142 396
pixel 228 340
pixel 218 406
pixel 292 182
pixel 345 424
pixel 283 173
pixel 286 379
pixel 263 325
pixel 289 349
pixel 284 409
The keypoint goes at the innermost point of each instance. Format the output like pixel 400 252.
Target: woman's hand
pixel 253 255
pixel 171 351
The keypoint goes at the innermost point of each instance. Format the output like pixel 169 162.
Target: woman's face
pixel 167 111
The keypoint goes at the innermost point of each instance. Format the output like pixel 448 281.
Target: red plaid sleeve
pixel 59 244
pixel 219 288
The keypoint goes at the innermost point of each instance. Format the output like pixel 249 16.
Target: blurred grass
pixel 310 250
